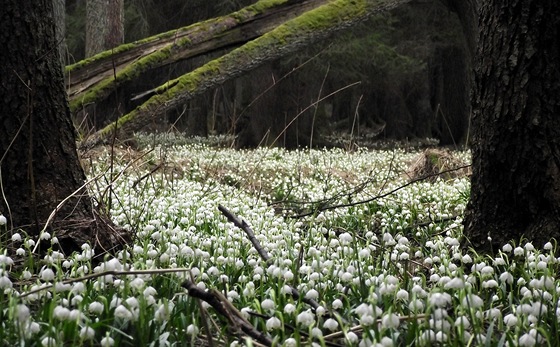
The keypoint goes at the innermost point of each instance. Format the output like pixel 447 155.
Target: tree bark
pixel 93 80
pixel 104 25
pixel 515 188
pixel 313 26
pixel 39 166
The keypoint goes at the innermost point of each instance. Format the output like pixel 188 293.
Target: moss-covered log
pixel 299 32
pixel 94 79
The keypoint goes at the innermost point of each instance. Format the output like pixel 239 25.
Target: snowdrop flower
pixel 455 283
pixel 402 295
pixel 96 307
pixel 529 247
pixel 48 342
pixel 192 330
pixel 528 340
pixel 289 308
pixel 316 333
pixel 510 320
pixel 22 312
pixel 305 318
pixel 440 299
pixel 473 301
pixel 47 274
pixel 489 284
pixel 390 321
pixel 122 312
pixel 87 333
pixel 5 282
pixel 273 323
pixel 107 341
pixel 352 337
pixel 61 313
pixel 291 342
pixel 16 237
pixel 416 306
pixel 506 277
pixel 518 251
pixel 268 305
pixel 330 324
pixel 312 294
pixel 462 321
pixel 337 303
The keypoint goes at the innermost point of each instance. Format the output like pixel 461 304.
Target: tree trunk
pixel 59 7
pixel 39 164
pixel 311 27
pixel 516 146
pixel 104 25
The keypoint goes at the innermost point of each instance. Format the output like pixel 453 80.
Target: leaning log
pixel 310 27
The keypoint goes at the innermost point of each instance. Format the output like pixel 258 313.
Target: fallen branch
pixel 221 304
pixel 264 254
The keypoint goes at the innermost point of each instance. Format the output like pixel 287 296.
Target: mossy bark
pixel 95 79
pixel 308 28
pixel 40 168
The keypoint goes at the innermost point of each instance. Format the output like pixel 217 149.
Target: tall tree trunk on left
pixel 104 25
pixel 39 163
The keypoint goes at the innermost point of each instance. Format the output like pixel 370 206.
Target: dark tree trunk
pixel 104 25
pixel 516 144
pixel 39 163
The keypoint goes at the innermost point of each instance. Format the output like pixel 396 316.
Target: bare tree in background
pixel 104 25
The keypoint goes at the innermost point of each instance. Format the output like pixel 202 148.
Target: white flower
pixel 48 342
pixel 330 324
pixel 192 330
pixel 529 247
pixel 527 340
pixel 455 283
pixel 16 237
pixel 510 320
pixel 489 284
pixel 122 312
pixel 268 305
pixel 473 301
pixel 87 333
pixel 352 337
pixel 289 308
pixel 547 246
pixel 5 282
pixel 312 294
pixel 402 295
pixel 107 341
pixel 337 303
pixel 462 321
pixel 291 342
pixel 61 313
pixel 518 251
pixel 96 307
pixel 416 306
pixel 440 299
pixel 506 277
pixel 305 318
pixel 390 321
pixel 273 323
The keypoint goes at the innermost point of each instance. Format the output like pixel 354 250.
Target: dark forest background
pixel 412 72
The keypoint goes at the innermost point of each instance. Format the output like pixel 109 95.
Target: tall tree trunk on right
pixel 104 25
pixel 515 188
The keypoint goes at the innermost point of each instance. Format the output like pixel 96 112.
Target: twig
pixel 333 207
pixel 105 273
pixel 217 300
